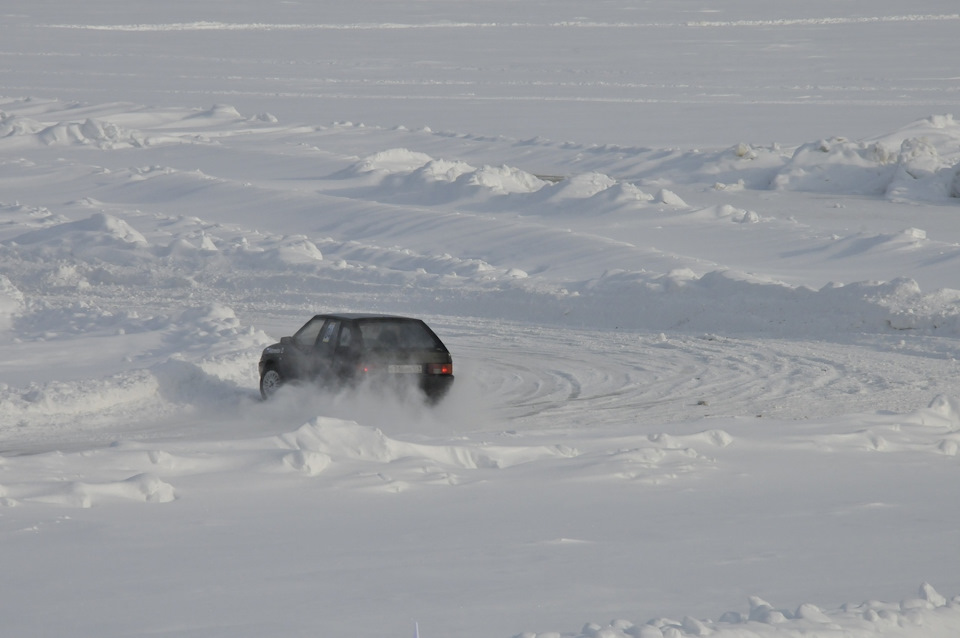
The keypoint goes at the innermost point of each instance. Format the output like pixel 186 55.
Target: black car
pixel 346 349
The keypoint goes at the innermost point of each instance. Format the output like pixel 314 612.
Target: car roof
pixel 354 316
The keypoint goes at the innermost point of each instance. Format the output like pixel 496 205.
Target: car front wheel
pixel 270 382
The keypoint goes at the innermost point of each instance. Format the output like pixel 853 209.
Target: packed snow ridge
pixel 459 201
pixel 929 613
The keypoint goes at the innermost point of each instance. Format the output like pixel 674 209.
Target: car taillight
pixel 439 368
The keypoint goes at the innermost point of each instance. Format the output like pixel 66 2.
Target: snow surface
pixel 698 369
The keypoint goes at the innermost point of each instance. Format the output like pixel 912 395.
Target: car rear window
pixel 398 334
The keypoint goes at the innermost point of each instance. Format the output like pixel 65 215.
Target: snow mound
pixel 917 163
pixel 146 488
pixel 219 114
pixel 669 198
pixel 948 408
pixel 928 614
pixel 591 193
pixel 506 179
pixel 87 401
pixel 277 254
pixel 934 430
pixel 403 176
pixel 582 186
pixel 204 359
pixel 90 132
pixel 104 135
pixel 345 450
pixel 921 162
pixel 397 160
pixel 18 126
pixel 342 440
pixel 211 329
pixel 105 248
pixel 104 228
pixel 100 237
pixel 17 217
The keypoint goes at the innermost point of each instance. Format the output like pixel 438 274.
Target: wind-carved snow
pixel 325 442
pixel 929 612
pixel 90 132
pixel 907 166
pixel 96 237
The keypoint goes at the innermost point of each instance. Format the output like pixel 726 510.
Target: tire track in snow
pixel 554 378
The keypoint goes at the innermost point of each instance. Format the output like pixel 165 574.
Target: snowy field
pixel 696 263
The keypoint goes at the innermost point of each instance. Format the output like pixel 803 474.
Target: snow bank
pixel 928 614
pixel 403 176
pixel 324 445
pixel 325 441
pixel 629 287
pixel 19 131
pixel 99 237
pixel 918 163
pixel 142 487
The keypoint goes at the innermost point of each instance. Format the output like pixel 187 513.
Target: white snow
pixel 696 263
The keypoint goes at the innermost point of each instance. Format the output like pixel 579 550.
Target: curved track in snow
pixel 551 378
pixel 511 377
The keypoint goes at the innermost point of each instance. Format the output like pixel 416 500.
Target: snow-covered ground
pixel 697 266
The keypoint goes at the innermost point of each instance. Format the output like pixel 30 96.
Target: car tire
pixel 270 382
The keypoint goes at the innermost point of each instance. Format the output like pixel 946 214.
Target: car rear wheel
pixel 270 382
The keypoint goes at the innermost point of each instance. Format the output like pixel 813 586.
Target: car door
pixel 322 356
pixel 309 355
pixel 346 356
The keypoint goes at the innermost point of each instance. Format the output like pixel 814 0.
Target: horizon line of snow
pixel 263 26
pixel 710 99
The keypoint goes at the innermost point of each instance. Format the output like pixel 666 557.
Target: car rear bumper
pixel 436 386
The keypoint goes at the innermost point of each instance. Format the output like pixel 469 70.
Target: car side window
pixel 348 350
pixel 329 331
pixel 400 334
pixel 328 337
pixel 306 336
pixel 346 337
